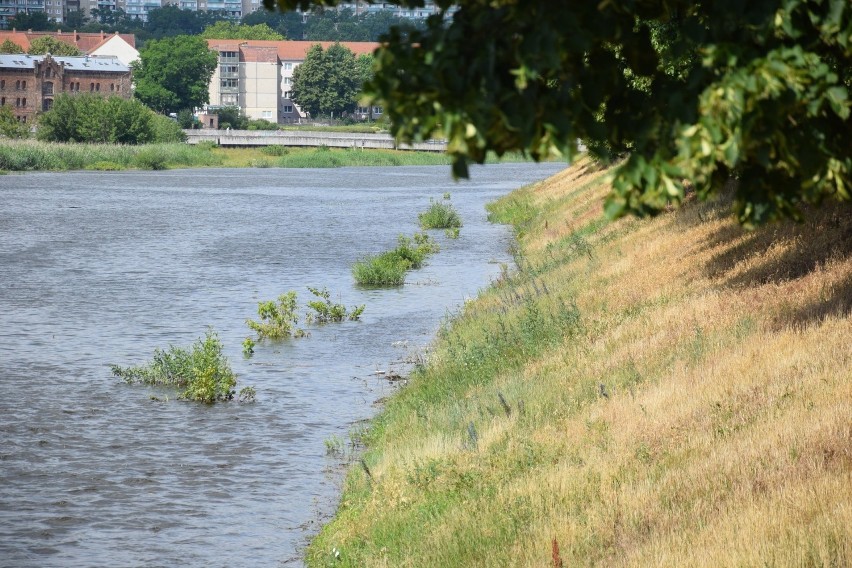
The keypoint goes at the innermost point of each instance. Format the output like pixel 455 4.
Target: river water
pixel 102 268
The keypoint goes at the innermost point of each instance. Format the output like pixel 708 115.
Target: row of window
pixel 19 102
pixel 19 85
pixel 47 88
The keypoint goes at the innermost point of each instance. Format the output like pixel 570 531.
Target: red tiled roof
pixel 85 42
pixel 290 50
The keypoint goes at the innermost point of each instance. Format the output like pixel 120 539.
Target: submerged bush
pixel 324 310
pixel 386 269
pixel 277 319
pixel 201 372
pixel 389 268
pixel 416 249
pixel 440 216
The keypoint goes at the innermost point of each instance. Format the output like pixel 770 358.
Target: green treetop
pixel 328 81
pixel 174 73
pixel 10 46
pixel 47 44
pixel 232 30
pixel 694 94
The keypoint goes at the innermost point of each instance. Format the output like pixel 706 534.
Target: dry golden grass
pixel 701 416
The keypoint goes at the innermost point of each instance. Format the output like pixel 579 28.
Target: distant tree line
pixel 170 21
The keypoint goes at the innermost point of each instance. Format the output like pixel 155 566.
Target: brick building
pixel 29 83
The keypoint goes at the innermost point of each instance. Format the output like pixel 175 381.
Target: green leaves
pixel 329 81
pixel 90 118
pixel 202 373
pixel 174 73
pixel 703 93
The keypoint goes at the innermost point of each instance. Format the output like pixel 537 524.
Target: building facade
pixel 257 75
pixel 30 83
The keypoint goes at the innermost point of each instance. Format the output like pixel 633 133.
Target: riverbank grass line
pixel 678 391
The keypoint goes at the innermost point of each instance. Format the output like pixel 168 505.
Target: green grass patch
pixel 31 155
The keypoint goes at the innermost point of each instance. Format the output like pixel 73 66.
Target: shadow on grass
pixel 778 253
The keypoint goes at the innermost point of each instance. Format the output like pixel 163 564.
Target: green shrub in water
pixel 439 216
pixel 277 319
pixel 389 268
pixel 324 310
pixel 202 372
pixel 386 269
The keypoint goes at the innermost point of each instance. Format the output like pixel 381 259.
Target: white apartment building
pixel 257 76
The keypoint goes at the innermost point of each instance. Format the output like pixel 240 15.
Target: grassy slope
pixel 724 436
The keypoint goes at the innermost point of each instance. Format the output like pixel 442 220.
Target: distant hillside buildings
pixel 58 9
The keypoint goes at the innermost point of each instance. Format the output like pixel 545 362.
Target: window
pixel 2 101
pixel 47 104
pixel 98 87
pixel 47 88
pixel 286 80
pixel 18 85
pixel 229 83
pixel 288 66
pixel 2 83
pixel 91 87
pixel 288 108
pixel 24 85
pixel 112 87
pixel 267 114
pixel 18 102
pixel 24 102
pixel 377 110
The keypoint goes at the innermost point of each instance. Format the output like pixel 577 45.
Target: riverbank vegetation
pixel 201 373
pixel 29 155
pixel 389 268
pixel 641 392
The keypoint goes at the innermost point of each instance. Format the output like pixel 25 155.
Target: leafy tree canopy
pixel 36 21
pixel 170 21
pixel 328 81
pixel 10 126
pixel 174 73
pixel 288 24
pixel 695 94
pixel 10 46
pixel 90 118
pixel 232 30
pixel 345 25
pixel 47 44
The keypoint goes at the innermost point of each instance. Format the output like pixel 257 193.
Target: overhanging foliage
pixel 696 94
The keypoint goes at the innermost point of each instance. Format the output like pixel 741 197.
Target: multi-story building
pixel 11 8
pixel 29 83
pixel 120 46
pixel 257 75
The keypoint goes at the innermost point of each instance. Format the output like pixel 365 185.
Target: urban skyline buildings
pixel 58 10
